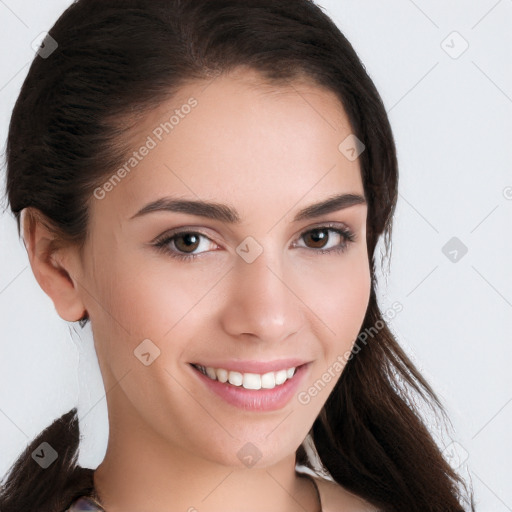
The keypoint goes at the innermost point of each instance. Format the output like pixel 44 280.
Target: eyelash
pixel 348 236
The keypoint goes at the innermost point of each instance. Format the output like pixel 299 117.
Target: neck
pixel 143 471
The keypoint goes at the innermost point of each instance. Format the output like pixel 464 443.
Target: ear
pixel 53 266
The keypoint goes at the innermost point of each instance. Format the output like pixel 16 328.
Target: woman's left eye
pixel 319 236
pixel 184 241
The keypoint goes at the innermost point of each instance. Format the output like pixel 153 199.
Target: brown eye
pixel 319 237
pixel 190 242
pixel 181 245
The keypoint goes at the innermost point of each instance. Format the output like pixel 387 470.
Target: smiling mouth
pixel 251 381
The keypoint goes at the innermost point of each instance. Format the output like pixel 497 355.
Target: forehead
pixel 238 138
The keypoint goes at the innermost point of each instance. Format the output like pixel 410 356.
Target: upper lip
pixel 253 366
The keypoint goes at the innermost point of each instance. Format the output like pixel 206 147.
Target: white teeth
pixel 268 380
pixel 222 375
pixel 249 380
pixel 211 373
pixel 280 377
pixel 235 378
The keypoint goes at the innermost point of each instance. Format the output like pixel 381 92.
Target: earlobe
pixel 52 268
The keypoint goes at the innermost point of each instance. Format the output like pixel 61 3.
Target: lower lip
pixel 256 399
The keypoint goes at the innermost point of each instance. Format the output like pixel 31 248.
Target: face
pixel 253 281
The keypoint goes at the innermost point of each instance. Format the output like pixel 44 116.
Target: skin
pixel 267 152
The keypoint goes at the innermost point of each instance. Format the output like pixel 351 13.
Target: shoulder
pixel 335 497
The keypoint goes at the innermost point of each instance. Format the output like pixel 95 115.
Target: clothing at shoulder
pixel 84 504
pixel 334 497
pixel 82 487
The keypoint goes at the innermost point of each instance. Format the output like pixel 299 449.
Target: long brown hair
pixel 109 62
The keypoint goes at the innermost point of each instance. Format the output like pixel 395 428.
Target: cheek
pixel 145 297
pixel 340 304
pixel 338 293
pixel 353 292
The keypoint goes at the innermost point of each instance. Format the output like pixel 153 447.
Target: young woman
pixel 205 181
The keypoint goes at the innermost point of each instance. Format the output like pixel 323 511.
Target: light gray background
pixel 451 117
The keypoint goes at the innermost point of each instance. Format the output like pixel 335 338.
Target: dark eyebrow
pixel 225 213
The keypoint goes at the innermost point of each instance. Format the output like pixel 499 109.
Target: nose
pixel 261 303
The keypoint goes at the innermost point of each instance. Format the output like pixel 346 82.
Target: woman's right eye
pixel 183 241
